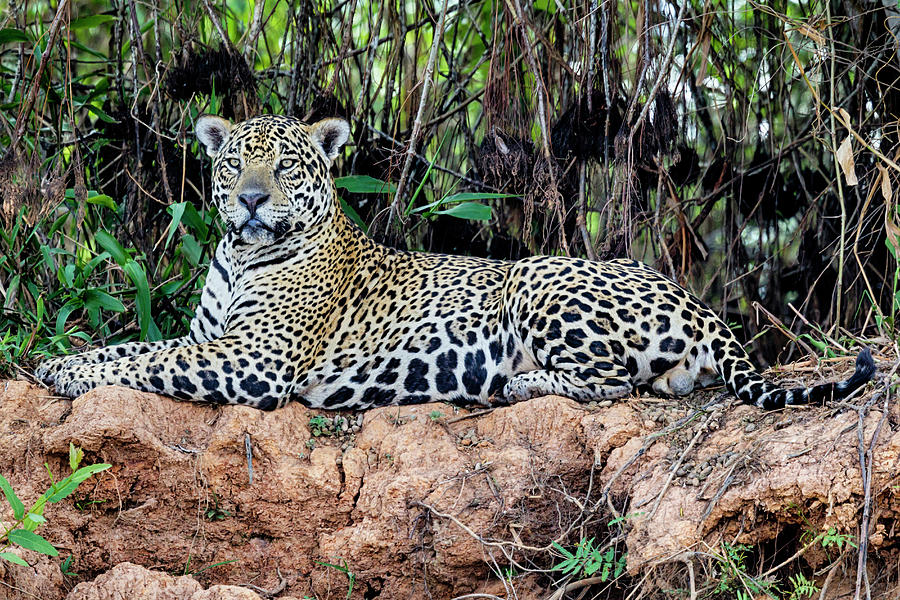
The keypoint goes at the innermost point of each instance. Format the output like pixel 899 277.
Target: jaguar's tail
pixel 743 381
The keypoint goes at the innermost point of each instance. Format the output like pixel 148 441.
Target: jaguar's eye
pixel 233 164
pixel 286 163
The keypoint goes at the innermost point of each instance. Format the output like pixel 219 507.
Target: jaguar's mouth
pixel 254 230
pixel 255 225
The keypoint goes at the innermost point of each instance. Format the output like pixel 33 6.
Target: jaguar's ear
pixel 213 132
pixel 330 135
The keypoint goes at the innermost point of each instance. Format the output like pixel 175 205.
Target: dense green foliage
pixel 699 137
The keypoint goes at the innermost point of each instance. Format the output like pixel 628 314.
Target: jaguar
pixel 299 304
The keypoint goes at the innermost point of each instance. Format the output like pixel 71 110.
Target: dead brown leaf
pixel 845 159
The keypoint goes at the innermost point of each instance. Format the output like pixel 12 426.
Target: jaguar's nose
pixel 251 200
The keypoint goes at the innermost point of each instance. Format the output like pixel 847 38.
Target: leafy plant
pixel 587 560
pixel 733 577
pixel 345 569
pixel 320 425
pixel 64 567
pixel 22 531
pixel 801 587
pixel 216 512
pixel 833 538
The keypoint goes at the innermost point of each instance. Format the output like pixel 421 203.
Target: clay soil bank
pixel 428 502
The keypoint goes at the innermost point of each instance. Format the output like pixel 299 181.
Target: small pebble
pixel 751 427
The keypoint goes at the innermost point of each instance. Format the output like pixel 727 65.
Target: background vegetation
pixel 701 137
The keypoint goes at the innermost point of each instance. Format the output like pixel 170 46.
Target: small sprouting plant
pixel 319 425
pixel 435 415
pixel 624 518
pixel 833 538
pixel 801 587
pixel 188 570
pixel 216 512
pixel 21 532
pixel 587 560
pixel 64 567
pixel 733 576
pixel 345 569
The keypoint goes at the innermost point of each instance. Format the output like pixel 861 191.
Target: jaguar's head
pixel 271 174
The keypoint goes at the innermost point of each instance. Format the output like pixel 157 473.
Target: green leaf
pixel 142 297
pixel 33 520
pixel 94 262
pixel 17 506
pixel 101 114
pixel 547 6
pixel 85 472
pixel 191 249
pixel 354 216
pixel 13 35
pixel 13 558
pixel 66 275
pixel 63 315
pixel 88 50
pixel 195 221
pixel 112 245
pixel 31 541
pixel 102 200
pixel 563 551
pixel 468 210
pixel 185 211
pixel 63 489
pixel 466 196
pixel 177 211
pixel 75 456
pixel 363 184
pixel 412 201
pixel 460 197
pixel 91 21
pixel 94 299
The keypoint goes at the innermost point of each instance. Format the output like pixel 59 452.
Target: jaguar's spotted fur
pixel 300 304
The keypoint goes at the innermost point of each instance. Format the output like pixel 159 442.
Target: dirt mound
pixel 430 501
